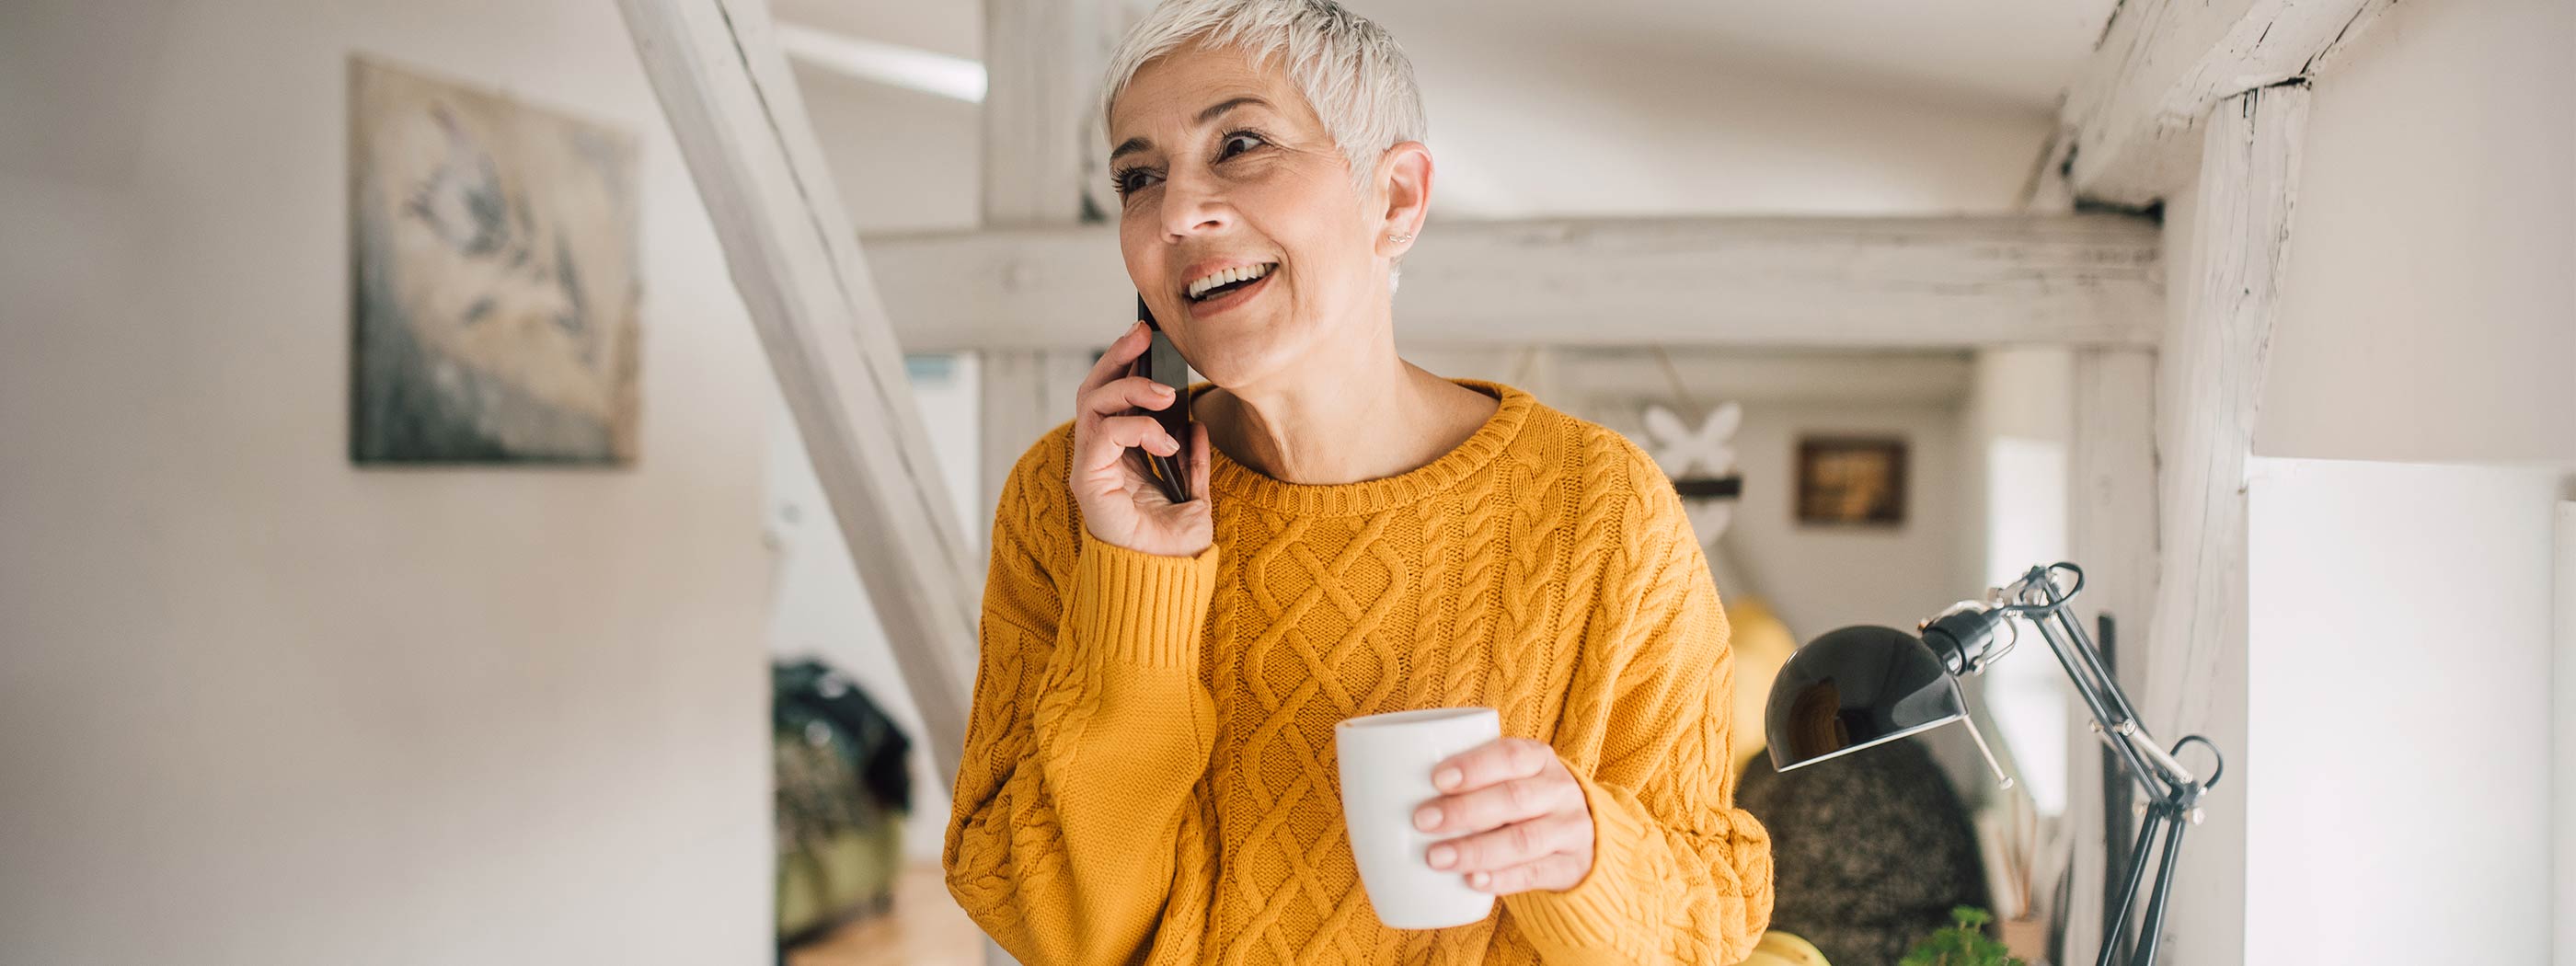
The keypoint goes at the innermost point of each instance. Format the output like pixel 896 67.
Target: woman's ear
pixel 1404 174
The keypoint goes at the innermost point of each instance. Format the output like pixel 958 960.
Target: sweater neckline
pixel 1240 482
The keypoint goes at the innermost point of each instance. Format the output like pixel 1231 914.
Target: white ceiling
pixel 952 27
pixel 2013 54
pixel 1616 107
pixel 2018 53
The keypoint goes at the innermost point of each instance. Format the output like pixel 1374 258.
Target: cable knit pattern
pixel 1149 772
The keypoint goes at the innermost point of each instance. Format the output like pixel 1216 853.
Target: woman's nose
pixel 1193 206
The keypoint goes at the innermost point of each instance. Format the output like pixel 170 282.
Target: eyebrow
pixel 1133 145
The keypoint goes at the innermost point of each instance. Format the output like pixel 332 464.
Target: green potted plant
pixel 1963 943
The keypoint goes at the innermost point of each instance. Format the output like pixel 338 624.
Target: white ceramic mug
pixel 1386 762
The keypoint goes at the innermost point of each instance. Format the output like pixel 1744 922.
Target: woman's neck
pixel 1375 419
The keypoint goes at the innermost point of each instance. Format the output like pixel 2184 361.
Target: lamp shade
pixel 1853 688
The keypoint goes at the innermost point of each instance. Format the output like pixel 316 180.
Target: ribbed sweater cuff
pixel 1142 608
pixel 1601 911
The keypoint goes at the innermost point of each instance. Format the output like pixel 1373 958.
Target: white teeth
pixel 1227 277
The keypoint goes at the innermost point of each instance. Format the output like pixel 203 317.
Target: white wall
pixel 1820 578
pixel 2427 312
pixel 257 706
pixel 903 160
pixel 1532 126
pixel 2396 767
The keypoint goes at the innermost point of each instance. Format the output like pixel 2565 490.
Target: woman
pixel 1149 772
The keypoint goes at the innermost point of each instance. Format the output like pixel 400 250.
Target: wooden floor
pixel 925 929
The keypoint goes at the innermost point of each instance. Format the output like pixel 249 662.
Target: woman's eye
pixel 1247 139
pixel 1133 180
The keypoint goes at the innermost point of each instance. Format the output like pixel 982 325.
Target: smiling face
pixel 1240 223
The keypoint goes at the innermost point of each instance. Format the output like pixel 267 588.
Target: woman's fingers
pixel 1120 395
pixel 1557 872
pixel 1116 435
pixel 1200 460
pixel 1499 760
pixel 1497 805
pixel 1113 360
pixel 1518 843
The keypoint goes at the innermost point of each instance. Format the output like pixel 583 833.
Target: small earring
pixel 1400 237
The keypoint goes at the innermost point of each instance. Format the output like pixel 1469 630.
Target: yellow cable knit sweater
pixel 1149 774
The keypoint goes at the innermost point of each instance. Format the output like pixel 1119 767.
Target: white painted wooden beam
pixel 1709 377
pixel 734 108
pixel 2162 65
pixel 1044 150
pixel 2209 386
pixel 2112 534
pixel 1880 283
pixel 1045 164
pixel 2562 806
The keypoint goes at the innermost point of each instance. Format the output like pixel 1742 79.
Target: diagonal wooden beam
pixel 1884 283
pixel 718 71
pixel 2162 65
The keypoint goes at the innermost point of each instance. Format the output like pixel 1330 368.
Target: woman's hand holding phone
pixel 1120 503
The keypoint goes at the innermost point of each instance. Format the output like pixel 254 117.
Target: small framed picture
pixel 1851 481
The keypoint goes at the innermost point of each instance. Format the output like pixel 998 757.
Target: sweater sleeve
pixel 1089 732
pixel 1679 875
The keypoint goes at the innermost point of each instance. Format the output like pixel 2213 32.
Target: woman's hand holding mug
pixel 1120 504
pixel 1521 814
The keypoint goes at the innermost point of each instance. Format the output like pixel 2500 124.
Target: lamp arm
pixel 2175 791
pixel 2038 599
pixel 2147 764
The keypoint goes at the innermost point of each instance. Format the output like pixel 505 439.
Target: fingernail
pixel 1427 818
pixel 1441 855
pixel 1162 390
pixel 1447 778
pixel 1479 880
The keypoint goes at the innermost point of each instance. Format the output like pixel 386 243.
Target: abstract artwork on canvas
pixel 495 279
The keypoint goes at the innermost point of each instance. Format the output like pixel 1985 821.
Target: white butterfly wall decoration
pixel 1708 449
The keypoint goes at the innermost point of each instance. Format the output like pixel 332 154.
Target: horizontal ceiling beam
pixel 1693 377
pixel 1889 283
pixel 2134 114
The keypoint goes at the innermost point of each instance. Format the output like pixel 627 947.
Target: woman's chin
pixel 1233 365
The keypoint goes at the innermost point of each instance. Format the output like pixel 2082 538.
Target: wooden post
pixel 2210 385
pixel 2562 807
pixel 734 109
pixel 1045 164
pixel 2111 532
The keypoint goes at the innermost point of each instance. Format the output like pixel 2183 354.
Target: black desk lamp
pixel 1863 686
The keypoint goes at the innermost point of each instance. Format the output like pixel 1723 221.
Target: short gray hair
pixel 1352 72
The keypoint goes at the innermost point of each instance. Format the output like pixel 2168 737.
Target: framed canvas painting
pixel 1845 481
pixel 495 284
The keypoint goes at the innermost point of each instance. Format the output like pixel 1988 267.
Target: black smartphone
pixel 1161 361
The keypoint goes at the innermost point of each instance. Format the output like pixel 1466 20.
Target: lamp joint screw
pixel 2195 816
